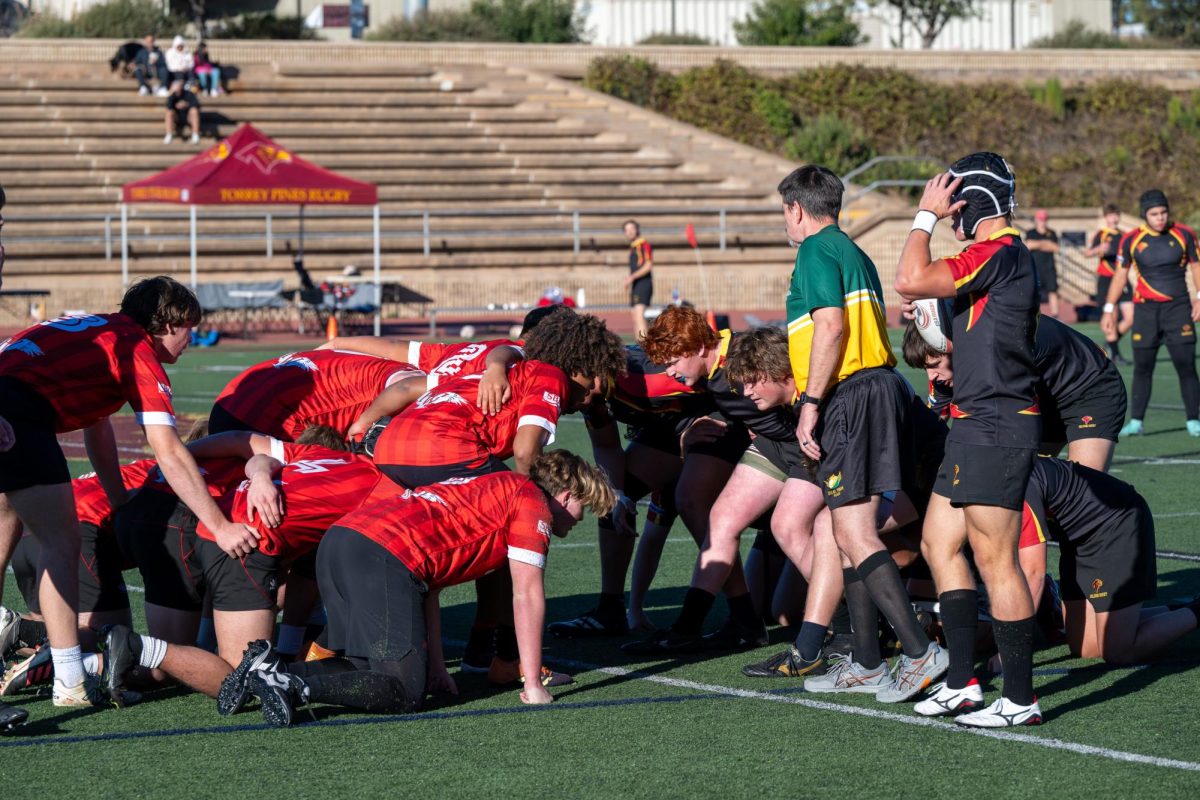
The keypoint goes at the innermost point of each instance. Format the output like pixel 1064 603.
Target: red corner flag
pixel 690 232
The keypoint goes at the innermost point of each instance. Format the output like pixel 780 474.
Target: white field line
pixel 872 713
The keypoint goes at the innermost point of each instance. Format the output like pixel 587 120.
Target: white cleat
pixel 943 701
pixel 1003 713
pixel 843 674
pixel 911 676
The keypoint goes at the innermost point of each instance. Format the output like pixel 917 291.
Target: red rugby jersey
pixel 219 474
pixel 460 530
pixel 283 396
pixel 445 426
pixel 91 502
pixel 88 366
pixel 319 486
pixel 441 362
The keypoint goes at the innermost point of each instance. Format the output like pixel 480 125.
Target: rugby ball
pixel 928 316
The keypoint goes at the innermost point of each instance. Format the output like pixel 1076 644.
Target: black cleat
pixel 734 636
pixel 119 662
pixel 787 664
pixel 280 693
pixel 233 693
pixel 590 624
pixel 11 717
pixel 664 643
pixel 838 644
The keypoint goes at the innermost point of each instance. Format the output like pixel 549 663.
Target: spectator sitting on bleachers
pixel 150 63
pixel 208 72
pixel 181 63
pixel 183 108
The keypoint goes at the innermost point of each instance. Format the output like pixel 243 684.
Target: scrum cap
pixel 987 185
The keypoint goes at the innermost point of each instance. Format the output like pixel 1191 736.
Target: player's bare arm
pixel 918 275
pixel 826 352
pixel 395 349
pixel 391 401
pixel 529 616
pixel 263 497
pixel 1195 268
pixel 1108 317
pixel 528 445
pixel 101 444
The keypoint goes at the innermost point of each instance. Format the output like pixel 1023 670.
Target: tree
pixel 1176 20
pixel 929 17
pixel 800 23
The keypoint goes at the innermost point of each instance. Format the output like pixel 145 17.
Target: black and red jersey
pixel 445 425
pixel 773 423
pixel 86 367
pixel 1159 261
pixel 995 320
pixel 283 396
pixel 642 394
pixel 444 361
pixel 1110 238
pixel 1065 501
pixel 639 253
pixel 459 530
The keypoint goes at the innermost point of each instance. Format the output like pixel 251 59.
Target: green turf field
pixel 673 728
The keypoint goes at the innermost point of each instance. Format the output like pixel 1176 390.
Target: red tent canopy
pixel 249 169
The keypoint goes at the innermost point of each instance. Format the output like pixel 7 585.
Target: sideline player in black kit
pixel 997 426
pixel 639 282
pixel 1104 245
pixel 1161 251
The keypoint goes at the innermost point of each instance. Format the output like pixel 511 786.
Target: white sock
pixel 68 665
pixel 153 652
pixel 291 637
pixel 91 663
pixel 206 635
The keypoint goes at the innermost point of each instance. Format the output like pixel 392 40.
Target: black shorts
pixel 157 532
pixel 1097 412
pixel 1114 568
pixel 1163 323
pixel 410 477
pixel 101 584
pixel 249 583
pixel 665 438
pixel 640 291
pixel 221 421
pixel 1102 285
pixel 1047 280
pixel 35 459
pixel 780 460
pixel 863 422
pixel 374 603
pixel 985 475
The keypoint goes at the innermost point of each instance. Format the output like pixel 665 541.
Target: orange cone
pixel 711 318
pixel 318 653
pixel 331 329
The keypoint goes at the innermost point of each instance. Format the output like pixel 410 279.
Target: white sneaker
pixel 912 675
pixel 143 90
pixel 84 694
pixel 170 137
pixel 162 92
pixel 195 138
pixel 10 624
pixel 843 674
pixel 1003 713
pixel 943 700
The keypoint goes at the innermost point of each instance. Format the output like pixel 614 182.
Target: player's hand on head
pixel 938 195
pixel 7 437
pixel 534 694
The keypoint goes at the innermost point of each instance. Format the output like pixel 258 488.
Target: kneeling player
pixel 380 570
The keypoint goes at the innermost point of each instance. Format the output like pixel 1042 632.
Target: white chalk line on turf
pixel 923 722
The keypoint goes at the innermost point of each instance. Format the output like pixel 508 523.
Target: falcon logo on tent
pixel 264 156
pixel 220 152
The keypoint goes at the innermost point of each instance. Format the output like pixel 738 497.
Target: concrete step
pixel 260 115
pixel 380 70
pixel 326 130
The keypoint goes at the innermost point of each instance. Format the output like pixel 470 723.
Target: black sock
pixel 810 639
pixel 1015 642
pixel 611 605
pixel 960 617
pixel 696 605
pixel 31 632
pixel 881 577
pixel 841 618
pixel 864 619
pixel 481 639
pixel 506 643
pixel 1114 348
pixel 741 609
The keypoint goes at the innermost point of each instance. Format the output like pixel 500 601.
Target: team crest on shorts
pixel 1087 422
pixel 1096 594
pixel 1186 330
pixel 833 484
pixel 1137 337
pixel 955 482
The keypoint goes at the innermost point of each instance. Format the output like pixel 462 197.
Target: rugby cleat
pixel 943 700
pixel 664 643
pixel 913 675
pixel 280 694
pixel 786 664
pixel 119 661
pixel 81 695
pixel 11 717
pixel 588 625
pixel 36 670
pixel 10 625
pixel 844 674
pixel 1193 427
pixel 735 636
pixel 1132 428
pixel 1003 713
pixel 234 689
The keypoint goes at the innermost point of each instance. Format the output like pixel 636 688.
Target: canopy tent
pixel 248 168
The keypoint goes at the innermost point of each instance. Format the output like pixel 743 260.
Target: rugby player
pixel 1081 394
pixel 70 374
pixel 292 494
pixel 996 426
pixel 855 420
pixel 1104 246
pixel 382 567
pixel 1158 255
